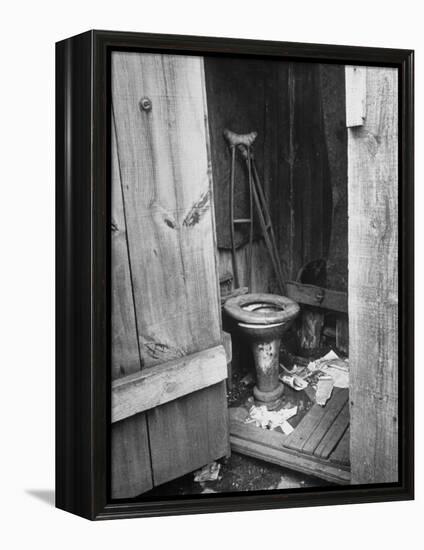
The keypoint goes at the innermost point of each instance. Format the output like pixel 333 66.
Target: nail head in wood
pixel 145 104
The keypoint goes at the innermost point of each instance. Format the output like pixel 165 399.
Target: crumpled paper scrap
pixel 210 472
pixel 324 389
pixel 332 365
pixel 270 420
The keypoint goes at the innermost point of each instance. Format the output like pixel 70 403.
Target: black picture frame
pixel 82 273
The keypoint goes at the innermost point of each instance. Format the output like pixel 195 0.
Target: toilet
pixel 263 319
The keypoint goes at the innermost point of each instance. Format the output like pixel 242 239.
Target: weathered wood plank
pixel 124 346
pixel 166 183
pixel 263 278
pixel 131 473
pixel 316 423
pixel 332 409
pixel 188 433
pixel 317 296
pixel 305 428
pixel 334 434
pixel 130 468
pixel 332 86
pixel 157 385
pixel 341 453
pixel 373 282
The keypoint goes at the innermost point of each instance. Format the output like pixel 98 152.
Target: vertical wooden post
pixel 373 279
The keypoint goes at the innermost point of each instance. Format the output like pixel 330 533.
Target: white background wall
pixel 28 33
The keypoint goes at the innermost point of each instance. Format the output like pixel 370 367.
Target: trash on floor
pixel 322 361
pixel 324 389
pixel 270 420
pixel 294 381
pixel 248 380
pixel 319 377
pixel 339 371
pixel 210 472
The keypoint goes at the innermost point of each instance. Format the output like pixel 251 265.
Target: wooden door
pixel 169 409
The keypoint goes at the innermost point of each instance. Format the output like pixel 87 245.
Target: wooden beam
pixel 373 283
pixel 157 385
pixel 317 296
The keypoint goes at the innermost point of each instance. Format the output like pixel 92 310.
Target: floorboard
pixel 318 446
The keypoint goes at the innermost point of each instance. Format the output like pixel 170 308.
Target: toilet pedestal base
pixel 271 399
pixel 268 389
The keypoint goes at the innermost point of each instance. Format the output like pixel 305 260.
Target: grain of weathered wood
pixel 124 344
pixel 332 86
pixel 285 107
pixel 373 282
pixel 131 473
pixel 233 104
pixel 188 433
pixel 341 453
pixel 130 467
pixel 263 278
pixel 305 428
pixel 332 411
pixel 334 434
pixel 166 182
pixel 164 171
pixel 157 385
pixel 317 296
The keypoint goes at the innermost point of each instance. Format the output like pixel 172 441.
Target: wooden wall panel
pixel 332 85
pixel 296 124
pixel 237 98
pixel 125 353
pixel 373 282
pixel 263 276
pixel 131 472
pixel 199 435
pixel 310 192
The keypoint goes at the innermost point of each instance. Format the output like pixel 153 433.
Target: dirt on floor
pixel 239 473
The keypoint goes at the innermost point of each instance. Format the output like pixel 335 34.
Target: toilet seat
pixel 271 308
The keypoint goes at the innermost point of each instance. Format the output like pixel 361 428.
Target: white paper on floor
pixel 324 389
pixel 294 381
pixel 210 472
pixel 332 365
pixel 263 418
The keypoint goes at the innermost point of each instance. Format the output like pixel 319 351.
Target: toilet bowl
pixel 263 319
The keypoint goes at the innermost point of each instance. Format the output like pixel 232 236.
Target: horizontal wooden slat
pixel 157 385
pixel 317 296
pixel 332 409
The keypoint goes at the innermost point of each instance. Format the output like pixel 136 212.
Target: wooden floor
pixel 319 445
